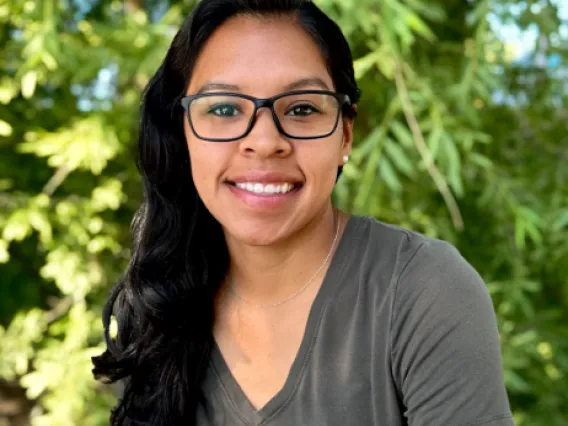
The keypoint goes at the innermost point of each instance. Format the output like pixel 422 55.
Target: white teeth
pixel 271 188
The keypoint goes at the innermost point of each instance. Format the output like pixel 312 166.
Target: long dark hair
pixel 164 304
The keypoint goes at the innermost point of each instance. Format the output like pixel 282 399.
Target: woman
pixel 249 298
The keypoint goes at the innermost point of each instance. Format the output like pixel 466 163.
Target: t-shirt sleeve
pixel 446 358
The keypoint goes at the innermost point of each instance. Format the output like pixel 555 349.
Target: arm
pixel 446 357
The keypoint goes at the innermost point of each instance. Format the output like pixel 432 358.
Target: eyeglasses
pixel 227 117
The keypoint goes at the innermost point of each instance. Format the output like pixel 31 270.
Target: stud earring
pixel 345 158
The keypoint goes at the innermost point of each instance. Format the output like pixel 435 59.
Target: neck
pixel 270 274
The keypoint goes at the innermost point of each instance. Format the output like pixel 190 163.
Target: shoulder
pixel 414 269
pixel 430 285
pixel 407 254
pixel 443 338
pixel 402 240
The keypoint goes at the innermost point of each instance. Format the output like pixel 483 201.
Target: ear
pixel 347 143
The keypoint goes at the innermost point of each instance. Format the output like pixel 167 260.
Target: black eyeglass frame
pixel 265 103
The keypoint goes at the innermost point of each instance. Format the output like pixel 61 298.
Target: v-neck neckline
pixel 237 397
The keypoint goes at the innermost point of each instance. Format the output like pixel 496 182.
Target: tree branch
pixel 56 180
pixel 60 309
pixel 422 148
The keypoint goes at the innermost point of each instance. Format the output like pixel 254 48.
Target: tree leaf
pixel 398 157
pixel 388 175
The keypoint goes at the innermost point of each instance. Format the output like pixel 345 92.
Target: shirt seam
pixel 300 375
pixel 490 420
pixel 394 310
pixel 228 395
pixel 308 357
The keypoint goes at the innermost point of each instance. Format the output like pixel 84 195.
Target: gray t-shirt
pixel 401 332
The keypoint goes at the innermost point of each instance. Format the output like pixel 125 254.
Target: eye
pixel 224 110
pixel 302 110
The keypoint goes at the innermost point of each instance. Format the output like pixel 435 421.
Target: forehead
pixel 260 55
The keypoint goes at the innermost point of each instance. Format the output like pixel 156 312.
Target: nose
pixel 264 138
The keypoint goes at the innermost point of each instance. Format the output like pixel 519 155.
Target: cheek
pixel 208 162
pixel 320 164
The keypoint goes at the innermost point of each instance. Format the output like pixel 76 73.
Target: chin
pixel 257 233
pixel 256 237
pixel 258 241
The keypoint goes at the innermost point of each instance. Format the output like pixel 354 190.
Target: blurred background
pixel 462 135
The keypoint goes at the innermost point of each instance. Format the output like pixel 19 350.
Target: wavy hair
pixel 164 304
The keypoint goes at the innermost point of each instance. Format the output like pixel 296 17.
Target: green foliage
pixel 437 151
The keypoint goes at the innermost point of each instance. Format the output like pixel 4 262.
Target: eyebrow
pixel 209 86
pixel 305 82
pixel 298 84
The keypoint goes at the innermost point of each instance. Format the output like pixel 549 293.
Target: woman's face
pixel 264 57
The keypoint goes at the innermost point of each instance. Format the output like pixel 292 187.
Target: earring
pixel 345 158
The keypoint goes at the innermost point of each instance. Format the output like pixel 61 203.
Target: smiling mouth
pixel 275 188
